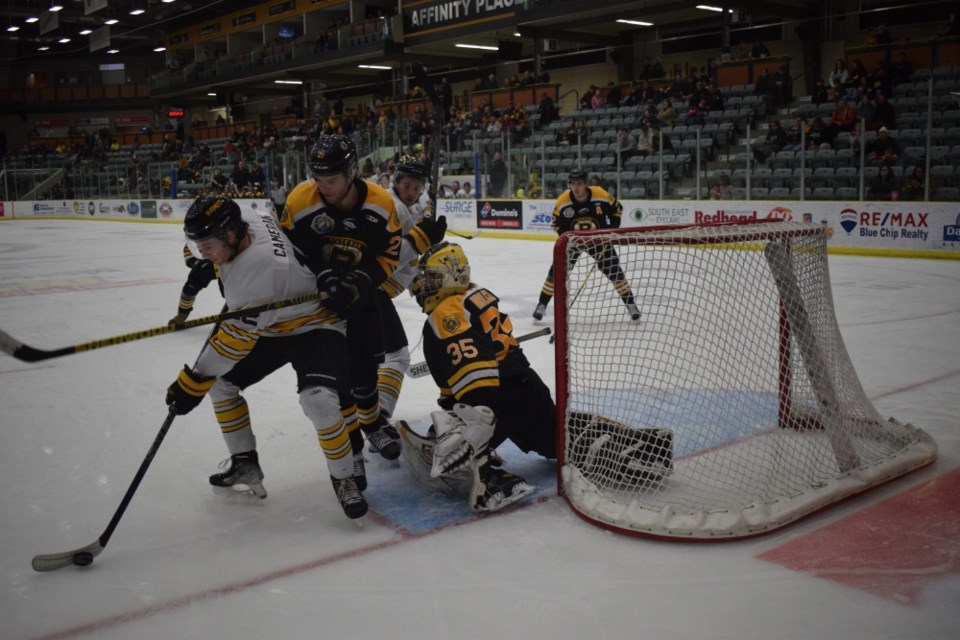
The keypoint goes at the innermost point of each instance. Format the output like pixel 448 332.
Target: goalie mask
pixel 443 271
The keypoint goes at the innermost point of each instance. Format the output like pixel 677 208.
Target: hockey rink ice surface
pixel 187 563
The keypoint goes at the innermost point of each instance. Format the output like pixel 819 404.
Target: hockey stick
pixel 466 236
pixel 576 295
pixel 422 369
pixel 20 351
pixel 85 555
pixel 420 75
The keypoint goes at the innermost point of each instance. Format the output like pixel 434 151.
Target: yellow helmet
pixel 443 271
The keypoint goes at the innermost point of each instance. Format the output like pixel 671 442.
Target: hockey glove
pixel 180 318
pixel 428 232
pixel 202 273
pixel 347 293
pixel 462 436
pixel 187 391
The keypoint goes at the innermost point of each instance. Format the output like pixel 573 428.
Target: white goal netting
pixel 731 408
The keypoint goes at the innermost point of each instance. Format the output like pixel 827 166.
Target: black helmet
pixel 410 167
pixel 211 216
pixel 333 154
pixel 577 174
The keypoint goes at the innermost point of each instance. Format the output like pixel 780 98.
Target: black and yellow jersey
pixel 468 343
pixel 366 238
pixel 599 210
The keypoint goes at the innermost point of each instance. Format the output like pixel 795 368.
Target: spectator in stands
pixel 712 99
pixel 839 76
pixel 818 135
pixel 885 115
pixel 667 116
pixel 586 100
pixel 877 81
pixel 782 86
pixel 466 191
pixel 744 50
pixel 883 34
pixel 858 73
pixel 218 183
pixel 775 140
pixel 546 110
pixel 842 118
pixel 644 141
pixel 881 143
pixel 914 185
pixel 866 110
pixel 543 76
pixel 498 175
pixel 885 186
pixel 819 94
pixel 759 51
pixel 240 175
pixel 580 132
pixel 855 137
pixel 793 137
pixel 598 100
pixel 491 82
pixel 900 70
pixel 655 137
pixel 722 189
pixel 626 145
pixel 763 87
pixel 614 94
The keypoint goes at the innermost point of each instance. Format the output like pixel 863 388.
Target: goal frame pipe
pixel 561 294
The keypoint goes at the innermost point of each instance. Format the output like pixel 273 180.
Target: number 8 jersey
pixel 600 210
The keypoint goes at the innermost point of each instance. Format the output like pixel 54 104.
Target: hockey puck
pixel 83 558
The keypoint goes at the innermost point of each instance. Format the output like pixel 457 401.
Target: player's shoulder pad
pixel 564 199
pixel 479 299
pixel 449 318
pixel 301 200
pixel 599 193
pixel 379 200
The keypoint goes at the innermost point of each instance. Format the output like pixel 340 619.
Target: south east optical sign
pixel 427 16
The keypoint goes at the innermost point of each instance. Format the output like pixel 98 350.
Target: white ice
pixel 185 563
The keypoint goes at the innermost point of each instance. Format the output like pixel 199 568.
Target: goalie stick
pixel 21 351
pixel 85 555
pixel 421 369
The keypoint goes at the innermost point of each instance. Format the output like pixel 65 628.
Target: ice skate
pixel 539 312
pixel 500 489
pixel 241 470
pixel 385 441
pixel 359 471
pixel 353 503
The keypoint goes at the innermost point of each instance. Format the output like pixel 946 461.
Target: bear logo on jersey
pixel 451 324
pixel 322 224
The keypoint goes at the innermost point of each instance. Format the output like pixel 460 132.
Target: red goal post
pixel 731 408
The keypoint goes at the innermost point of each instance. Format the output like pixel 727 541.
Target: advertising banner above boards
pixel 162 209
pixel 924 229
pixel 921 229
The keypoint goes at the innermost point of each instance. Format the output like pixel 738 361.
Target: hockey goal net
pixel 731 408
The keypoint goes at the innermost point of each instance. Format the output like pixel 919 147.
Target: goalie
pixel 488 389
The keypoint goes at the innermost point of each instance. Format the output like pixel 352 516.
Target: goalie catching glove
pixel 188 390
pixel 462 436
pixel 428 232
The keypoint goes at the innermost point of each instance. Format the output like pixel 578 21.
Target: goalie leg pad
pixel 461 435
pixel 418 457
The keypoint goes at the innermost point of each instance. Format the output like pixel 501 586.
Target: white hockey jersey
pixel 409 216
pixel 266 271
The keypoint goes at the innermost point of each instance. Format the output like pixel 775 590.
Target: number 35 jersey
pixel 600 210
pixel 468 344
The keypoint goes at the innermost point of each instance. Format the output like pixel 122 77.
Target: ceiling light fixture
pixel 476 46
pixel 137 11
pixel 111 21
pixel 55 7
pixel 32 19
pixel 43 48
pixel 707 7
pixel 288 81
pixel 373 66
pixel 86 32
pixel 211 93
pixel 639 23
pixel 64 40
pixel 13 27
pixel 159 49
pixel 112 51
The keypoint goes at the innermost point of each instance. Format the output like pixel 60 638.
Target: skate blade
pixel 254 490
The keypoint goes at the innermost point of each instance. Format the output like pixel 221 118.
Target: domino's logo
pixel 485 210
pixel 848 220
